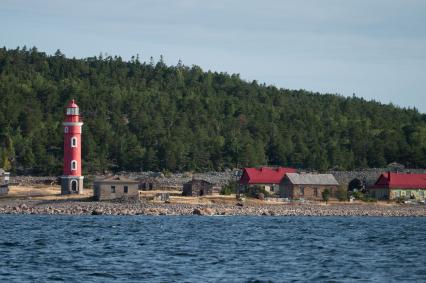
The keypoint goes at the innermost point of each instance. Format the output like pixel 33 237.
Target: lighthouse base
pixel 71 185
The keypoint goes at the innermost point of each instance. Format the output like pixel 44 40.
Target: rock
pixel 208 211
pixel 97 212
pixel 203 211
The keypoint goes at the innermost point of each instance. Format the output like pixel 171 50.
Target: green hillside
pixel 149 116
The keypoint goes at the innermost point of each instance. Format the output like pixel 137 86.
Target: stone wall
pixel 176 180
pixel 371 175
pixel 32 180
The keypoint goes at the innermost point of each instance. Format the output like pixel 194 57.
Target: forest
pixel 151 116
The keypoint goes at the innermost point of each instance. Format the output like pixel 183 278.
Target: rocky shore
pixel 149 208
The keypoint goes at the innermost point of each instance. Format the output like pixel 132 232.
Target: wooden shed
pixel 115 187
pixel 307 186
pixel 200 188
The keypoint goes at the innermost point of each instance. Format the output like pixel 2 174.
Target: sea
pixel 46 248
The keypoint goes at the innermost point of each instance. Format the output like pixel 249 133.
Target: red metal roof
pixel 72 104
pixel 401 181
pixel 264 175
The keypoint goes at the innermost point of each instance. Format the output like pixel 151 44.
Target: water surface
pixel 211 249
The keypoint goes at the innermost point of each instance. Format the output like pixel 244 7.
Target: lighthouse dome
pixel 72 104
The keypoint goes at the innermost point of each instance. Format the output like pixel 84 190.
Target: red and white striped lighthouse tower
pixel 72 181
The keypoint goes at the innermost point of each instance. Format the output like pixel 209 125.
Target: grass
pixel 51 193
pixel 43 192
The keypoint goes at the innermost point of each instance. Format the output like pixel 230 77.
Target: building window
pixel 126 189
pixel 66 130
pixel 422 193
pixel 301 191
pixel 316 192
pixel 73 142
pixel 113 189
pixel 74 165
pixel 397 194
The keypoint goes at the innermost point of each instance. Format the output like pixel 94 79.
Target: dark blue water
pixel 211 249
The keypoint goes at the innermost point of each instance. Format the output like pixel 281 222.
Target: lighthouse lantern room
pixel 72 180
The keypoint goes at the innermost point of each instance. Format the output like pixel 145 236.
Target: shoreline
pixel 86 207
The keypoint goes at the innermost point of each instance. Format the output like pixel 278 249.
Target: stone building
pixel 399 186
pixel 115 187
pixel 4 182
pixel 148 184
pixel 198 188
pixel 307 186
pixel 159 184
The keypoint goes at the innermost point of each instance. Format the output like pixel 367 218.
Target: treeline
pixel 150 116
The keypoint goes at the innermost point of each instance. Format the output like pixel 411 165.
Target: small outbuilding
pixel 307 186
pixel 115 187
pixel 197 188
pixel 4 182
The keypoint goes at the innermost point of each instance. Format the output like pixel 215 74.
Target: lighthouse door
pixel 74 185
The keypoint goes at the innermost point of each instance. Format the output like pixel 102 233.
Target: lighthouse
pixel 72 180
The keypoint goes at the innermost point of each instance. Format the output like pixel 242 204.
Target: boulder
pixel 203 211
pixel 97 212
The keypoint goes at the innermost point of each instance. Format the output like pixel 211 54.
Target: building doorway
pixel 74 185
pixel 356 185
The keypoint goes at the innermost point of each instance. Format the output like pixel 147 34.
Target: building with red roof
pixel 399 185
pixel 264 177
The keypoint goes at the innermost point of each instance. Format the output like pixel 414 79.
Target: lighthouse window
pixel 73 142
pixel 73 165
pixel 66 129
pixel 72 111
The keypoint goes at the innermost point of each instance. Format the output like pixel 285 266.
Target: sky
pixel 374 49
